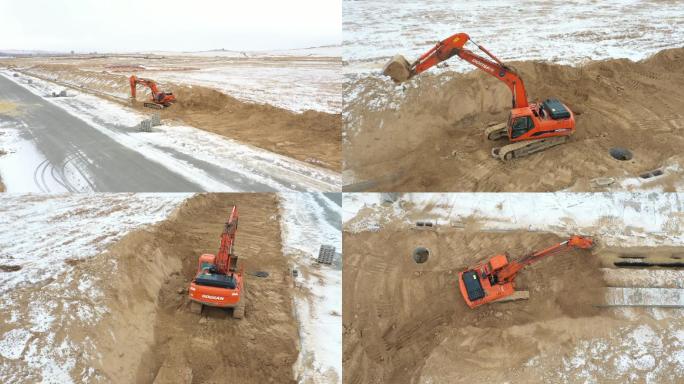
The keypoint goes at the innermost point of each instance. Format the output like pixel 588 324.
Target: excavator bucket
pixel 398 69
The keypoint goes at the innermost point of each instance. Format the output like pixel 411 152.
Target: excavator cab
pixel 548 119
pixel 520 126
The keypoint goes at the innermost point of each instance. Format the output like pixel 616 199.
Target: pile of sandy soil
pixel 312 136
pixel 407 323
pixel 145 321
pixel 430 136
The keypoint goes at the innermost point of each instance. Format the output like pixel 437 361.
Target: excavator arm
pixel 225 253
pixel 453 46
pixel 134 80
pixel 509 272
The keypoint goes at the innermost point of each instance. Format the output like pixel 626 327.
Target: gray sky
pixel 180 25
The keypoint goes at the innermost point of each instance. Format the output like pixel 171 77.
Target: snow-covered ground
pixel 322 51
pixel 40 232
pixel 250 163
pixel 44 235
pixel 620 218
pixel 296 85
pixel 567 32
pixel 307 221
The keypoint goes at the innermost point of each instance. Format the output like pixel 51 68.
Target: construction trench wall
pixel 148 334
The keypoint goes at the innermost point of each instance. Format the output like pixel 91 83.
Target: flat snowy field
pixel 647 350
pixel 296 85
pixel 308 221
pixel 567 32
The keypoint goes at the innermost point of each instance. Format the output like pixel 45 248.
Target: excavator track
pixel 496 131
pixel 239 310
pixel 195 307
pixel 528 147
pixel 154 106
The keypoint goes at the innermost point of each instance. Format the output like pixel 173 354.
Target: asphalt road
pixel 105 165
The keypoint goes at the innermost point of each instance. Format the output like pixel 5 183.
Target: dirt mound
pixel 149 325
pixel 397 312
pixel 311 136
pixel 429 138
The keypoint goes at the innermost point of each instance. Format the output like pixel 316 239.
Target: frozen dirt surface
pixel 415 327
pixel 429 135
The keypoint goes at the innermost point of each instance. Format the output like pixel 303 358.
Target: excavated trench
pixel 416 328
pixel 150 335
pixel 313 137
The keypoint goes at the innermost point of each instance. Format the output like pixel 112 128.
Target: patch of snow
pixel 644 352
pixel 13 343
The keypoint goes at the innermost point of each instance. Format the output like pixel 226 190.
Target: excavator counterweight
pixel 530 128
pixel 493 280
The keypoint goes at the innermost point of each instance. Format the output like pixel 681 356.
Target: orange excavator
pixel 494 279
pixel 531 127
pixel 158 99
pixel 218 283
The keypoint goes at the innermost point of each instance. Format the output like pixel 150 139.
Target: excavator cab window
pixel 521 125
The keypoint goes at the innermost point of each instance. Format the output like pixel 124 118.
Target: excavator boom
pixel 227 240
pixel 494 279
pixel 453 46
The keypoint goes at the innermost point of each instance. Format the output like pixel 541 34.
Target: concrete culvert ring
pixel 420 255
pixel 621 154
